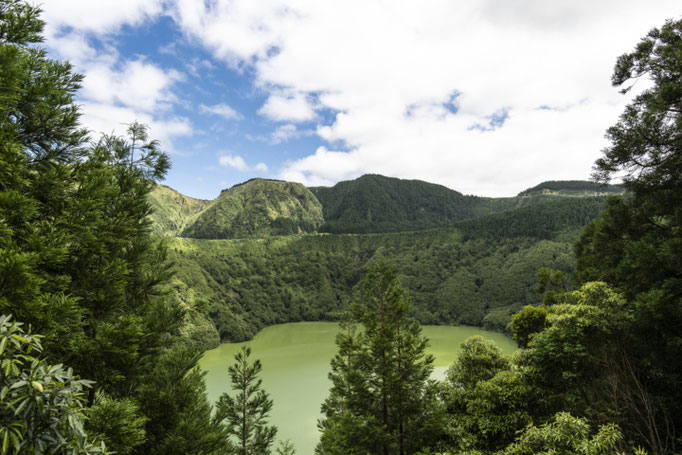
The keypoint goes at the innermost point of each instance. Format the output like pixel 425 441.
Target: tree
pixel 41 405
pixel 488 399
pixel 286 448
pixel 635 245
pixel 172 396
pixel 382 400
pixel 527 322
pixel 247 413
pixel 566 435
pixel 77 261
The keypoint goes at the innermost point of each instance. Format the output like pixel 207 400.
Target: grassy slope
pixel 172 211
pixel 258 208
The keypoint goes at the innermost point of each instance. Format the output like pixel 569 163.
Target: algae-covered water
pixel 296 359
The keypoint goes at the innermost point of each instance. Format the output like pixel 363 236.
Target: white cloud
pixel 221 110
pixel 103 118
pixel 101 16
pixel 142 86
pixel 238 163
pixel 282 107
pixel 115 90
pixel 284 132
pixel 389 70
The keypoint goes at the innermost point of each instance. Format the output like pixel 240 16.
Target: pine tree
pixel 247 413
pixel 77 261
pixel 382 400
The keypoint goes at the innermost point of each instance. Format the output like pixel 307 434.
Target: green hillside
pixel 464 259
pixel 471 274
pixel 374 203
pixel 572 188
pixel 258 208
pixel 172 211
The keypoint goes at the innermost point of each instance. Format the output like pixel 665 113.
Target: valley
pixel 464 259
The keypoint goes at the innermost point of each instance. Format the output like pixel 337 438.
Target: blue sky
pixel 486 97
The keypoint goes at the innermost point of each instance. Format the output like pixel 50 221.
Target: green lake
pixel 295 361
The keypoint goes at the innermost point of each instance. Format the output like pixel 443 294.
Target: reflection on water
pixel 296 359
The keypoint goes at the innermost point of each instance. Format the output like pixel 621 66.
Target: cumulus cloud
pixel 283 107
pixel 284 133
pixel 406 83
pixel 238 163
pixel 221 110
pixel 115 90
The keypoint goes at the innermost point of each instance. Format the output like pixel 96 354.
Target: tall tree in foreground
pixel 246 413
pixel 636 245
pixel 382 400
pixel 77 261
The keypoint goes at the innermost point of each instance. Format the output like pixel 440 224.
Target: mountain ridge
pixel 371 203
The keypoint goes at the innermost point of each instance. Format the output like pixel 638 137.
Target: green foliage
pixel 576 362
pixel 551 283
pixel 645 141
pixel 635 245
pixel 286 448
pixel 478 360
pixel 572 187
pixel 119 423
pixel 41 405
pixel 247 412
pixel 487 400
pixel 566 435
pixel 249 284
pixel 172 395
pixel 77 261
pixel 382 400
pixel 257 208
pixel 527 322
pixel 374 203
pixel 540 220
pixel 172 211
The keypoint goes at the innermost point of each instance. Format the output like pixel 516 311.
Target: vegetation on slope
pixel 172 212
pixel 573 188
pixel 374 203
pixel 470 275
pixel 258 208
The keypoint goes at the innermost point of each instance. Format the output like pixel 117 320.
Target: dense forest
pixel 478 272
pixel 111 285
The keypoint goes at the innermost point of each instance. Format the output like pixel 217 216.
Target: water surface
pixel 295 361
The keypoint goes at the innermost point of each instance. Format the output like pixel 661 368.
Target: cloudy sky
pixel 487 97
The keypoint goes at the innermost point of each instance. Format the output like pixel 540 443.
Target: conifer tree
pixel 77 261
pixel 382 400
pixel 246 413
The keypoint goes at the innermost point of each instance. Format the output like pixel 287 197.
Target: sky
pixel 487 97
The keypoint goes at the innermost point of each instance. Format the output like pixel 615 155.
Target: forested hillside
pixel 573 188
pixel 105 309
pixel 478 273
pixel 257 208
